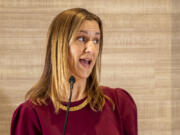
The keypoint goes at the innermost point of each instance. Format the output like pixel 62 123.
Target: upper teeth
pixel 86 60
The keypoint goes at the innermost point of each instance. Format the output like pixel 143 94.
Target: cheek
pixel 74 54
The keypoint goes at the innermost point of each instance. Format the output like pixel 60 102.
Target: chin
pixel 84 76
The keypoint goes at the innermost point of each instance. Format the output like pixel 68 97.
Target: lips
pixel 85 62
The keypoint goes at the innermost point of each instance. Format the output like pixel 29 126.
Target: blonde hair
pixel 55 73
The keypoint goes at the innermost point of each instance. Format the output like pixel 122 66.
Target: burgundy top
pixel 30 119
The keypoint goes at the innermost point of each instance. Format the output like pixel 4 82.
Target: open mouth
pixel 85 62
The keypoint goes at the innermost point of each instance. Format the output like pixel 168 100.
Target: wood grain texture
pixel 176 67
pixel 141 54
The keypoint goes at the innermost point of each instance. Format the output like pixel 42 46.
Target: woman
pixel 74 47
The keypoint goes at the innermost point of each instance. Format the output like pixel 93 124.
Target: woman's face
pixel 84 49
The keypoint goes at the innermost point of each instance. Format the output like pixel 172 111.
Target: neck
pixel 78 91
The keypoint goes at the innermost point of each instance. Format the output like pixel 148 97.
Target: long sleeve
pixel 25 121
pixel 127 111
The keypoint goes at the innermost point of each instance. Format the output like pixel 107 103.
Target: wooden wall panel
pixel 140 54
pixel 176 67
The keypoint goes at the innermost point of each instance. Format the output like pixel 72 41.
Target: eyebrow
pixel 83 31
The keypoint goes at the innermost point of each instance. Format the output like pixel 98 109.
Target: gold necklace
pixel 74 108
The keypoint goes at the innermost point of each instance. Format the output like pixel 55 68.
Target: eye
pixel 96 41
pixel 81 39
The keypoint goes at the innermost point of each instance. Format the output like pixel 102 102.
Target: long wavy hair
pixel 55 75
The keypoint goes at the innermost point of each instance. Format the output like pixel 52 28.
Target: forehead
pixel 89 26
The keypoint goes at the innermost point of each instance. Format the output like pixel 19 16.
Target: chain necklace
pixel 74 108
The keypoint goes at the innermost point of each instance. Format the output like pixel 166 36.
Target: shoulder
pixel 117 93
pixel 24 110
pixel 25 116
pixel 29 108
pixel 26 106
pixel 124 102
pixel 125 107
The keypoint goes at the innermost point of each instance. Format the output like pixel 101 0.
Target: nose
pixel 90 47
